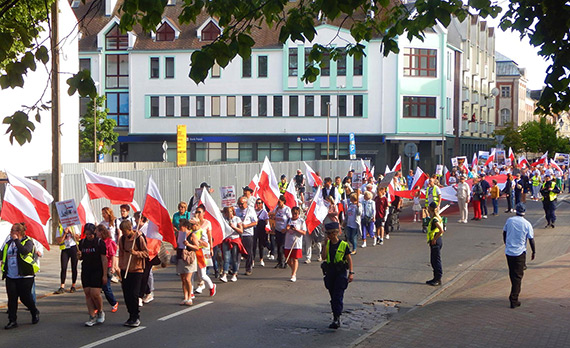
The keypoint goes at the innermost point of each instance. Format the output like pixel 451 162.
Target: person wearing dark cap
pixel 248 194
pixel 435 242
pixel 337 269
pixel 283 184
pixel 515 233
pixel 193 204
pixel 549 191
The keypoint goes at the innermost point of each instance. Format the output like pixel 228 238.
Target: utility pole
pixel 55 120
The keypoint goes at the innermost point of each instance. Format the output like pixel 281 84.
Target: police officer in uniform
pixel 283 184
pixel 18 268
pixel 337 270
pixel 435 242
pixel 549 192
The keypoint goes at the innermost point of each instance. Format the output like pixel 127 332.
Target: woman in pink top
pixel 112 265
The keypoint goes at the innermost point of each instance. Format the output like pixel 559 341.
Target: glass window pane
pixel 342 105
pixel 216 106
pixel 154 68
pixel 112 103
pixel 215 152
pixel 358 105
pixel 293 61
pixel 124 103
pixel 309 105
pixel 277 105
pixel 341 65
pixel 231 106
pixel 295 155
pixel 170 106
pixel 293 105
pixel 246 67
pixel 262 66
pixel 262 105
pixel 246 101
pixel 154 106
pixel 200 107
pixel 169 62
pixel 184 106
pixel 325 104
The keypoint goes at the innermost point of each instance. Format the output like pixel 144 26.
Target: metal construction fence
pixel 178 184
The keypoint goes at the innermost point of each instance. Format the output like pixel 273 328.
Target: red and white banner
pixel 268 188
pixel 317 212
pixel 134 206
pixel 542 160
pixel 35 192
pixel 220 227
pixel 419 178
pixel 474 160
pixel 523 162
pixel 490 159
pixel 398 165
pixel 253 184
pixel 556 168
pixel 446 175
pixel 291 195
pixel 85 212
pixel 153 238
pixel 365 170
pixel 114 189
pixel 511 156
pixel 313 180
pixel 155 210
pixel 17 208
pixel 387 170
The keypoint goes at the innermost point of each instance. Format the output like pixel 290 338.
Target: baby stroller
pixel 393 219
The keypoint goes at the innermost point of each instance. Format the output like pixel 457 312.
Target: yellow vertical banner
pixel 181 145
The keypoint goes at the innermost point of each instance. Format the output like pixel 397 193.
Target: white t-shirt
pixel 247 216
pixel 282 216
pixel 231 233
pixel 294 239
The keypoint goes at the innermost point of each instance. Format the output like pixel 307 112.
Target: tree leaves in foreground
pixel 106 134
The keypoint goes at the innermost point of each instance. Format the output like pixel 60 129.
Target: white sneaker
pixel 140 302
pixel 374 242
pixel 308 261
pixel 320 259
pixel 381 242
pixel 92 321
pixel 148 298
pixel 460 221
pixel 224 278
pixel 363 244
pixel 271 257
pixel 387 236
pixel 100 317
pixel 199 289
pixel 261 263
pixel 293 279
pixel 234 278
pixel 252 264
pixel 484 216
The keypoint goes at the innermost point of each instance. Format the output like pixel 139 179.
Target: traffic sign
pixel 410 149
pixel 417 156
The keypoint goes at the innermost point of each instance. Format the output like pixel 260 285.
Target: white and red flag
pixel 523 162
pixel 542 160
pixel 372 171
pixel 474 161
pixel 419 178
pixel 18 208
pixel 491 158
pixel 398 165
pixel 85 212
pixel 557 168
pixel 155 210
pixel 116 190
pixel 446 175
pixel 512 156
pixel 36 193
pixel 268 189
pixel 387 170
pixel 317 211
pixel 134 206
pixel 253 184
pixel 213 214
pixel 153 238
pixel 313 180
pixel 365 169
pixel 291 195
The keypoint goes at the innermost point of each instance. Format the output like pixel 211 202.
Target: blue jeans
pixel 367 229
pixel 352 235
pixel 495 206
pixel 109 292
pixel 231 257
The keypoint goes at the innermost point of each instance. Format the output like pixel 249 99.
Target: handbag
pixel 189 256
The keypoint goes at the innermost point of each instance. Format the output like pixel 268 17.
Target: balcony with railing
pixel 473 127
pixel 475 98
pixel 490 128
pixel 483 128
pixel 465 127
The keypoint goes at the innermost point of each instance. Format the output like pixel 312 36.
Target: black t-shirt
pixel 299 179
pixel 334 247
pixel 91 251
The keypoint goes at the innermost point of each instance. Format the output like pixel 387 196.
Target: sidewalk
pixel 475 312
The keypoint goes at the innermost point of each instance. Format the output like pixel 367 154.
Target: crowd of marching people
pixel 358 209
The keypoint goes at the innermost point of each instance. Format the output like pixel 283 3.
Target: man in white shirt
pixel 249 220
pixel 515 233
pixel 463 196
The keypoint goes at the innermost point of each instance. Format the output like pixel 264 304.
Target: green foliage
pixel 541 136
pixel 513 138
pixel 105 130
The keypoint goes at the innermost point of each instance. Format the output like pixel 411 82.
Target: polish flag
pixel 134 206
pixel 253 183
pixel 317 212
pixel 35 192
pixel 268 188
pixel 372 171
pixel 446 175
pixel 153 238
pixel 511 156
pixel 365 168
pixel 312 178
pixel 556 168
pixel 18 208
pixel 398 165
pixel 85 212
pixel 155 210
pixel 490 159
pixel 523 162
pixel 419 178
pixel 387 170
pixel 213 214
pixel 542 160
pixel 474 161
pixel 115 189
pixel 391 192
pixel 291 195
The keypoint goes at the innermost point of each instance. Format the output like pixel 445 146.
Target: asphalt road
pixel 265 309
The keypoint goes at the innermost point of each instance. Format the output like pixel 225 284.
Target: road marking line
pixel 114 337
pixel 170 316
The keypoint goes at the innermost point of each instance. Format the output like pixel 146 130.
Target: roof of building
pixel 506 66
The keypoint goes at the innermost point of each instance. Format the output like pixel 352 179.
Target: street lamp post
pixel 328 128
pixel 95 129
pixel 337 150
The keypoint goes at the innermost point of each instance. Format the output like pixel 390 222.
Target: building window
pixel 449 65
pixel 505 91
pixel 273 151
pixel 448 107
pixel 342 105
pixel 245 152
pixel 325 104
pixel 84 64
pixel 262 105
pixel 118 105
pixel 84 103
pixel 358 106
pixel 341 65
pixel 231 104
pixel 200 106
pixel 169 68
pixel 185 106
pixel 246 67
pixel 115 41
pixel 420 62
pixel 358 66
pixel 277 105
pixel 262 66
pixel 309 105
pixel 215 106
pixel 326 65
pixel 210 32
pixel 232 152
pixel 154 106
pixel 246 105
pixel 505 116
pixel 419 107
pixel 117 74
pixel 165 33
pixel 293 105
pixel 293 71
pixel 307 53
pixel 216 71
pixel 209 152
pixel 170 106
pixel 154 68
pixel 301 151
